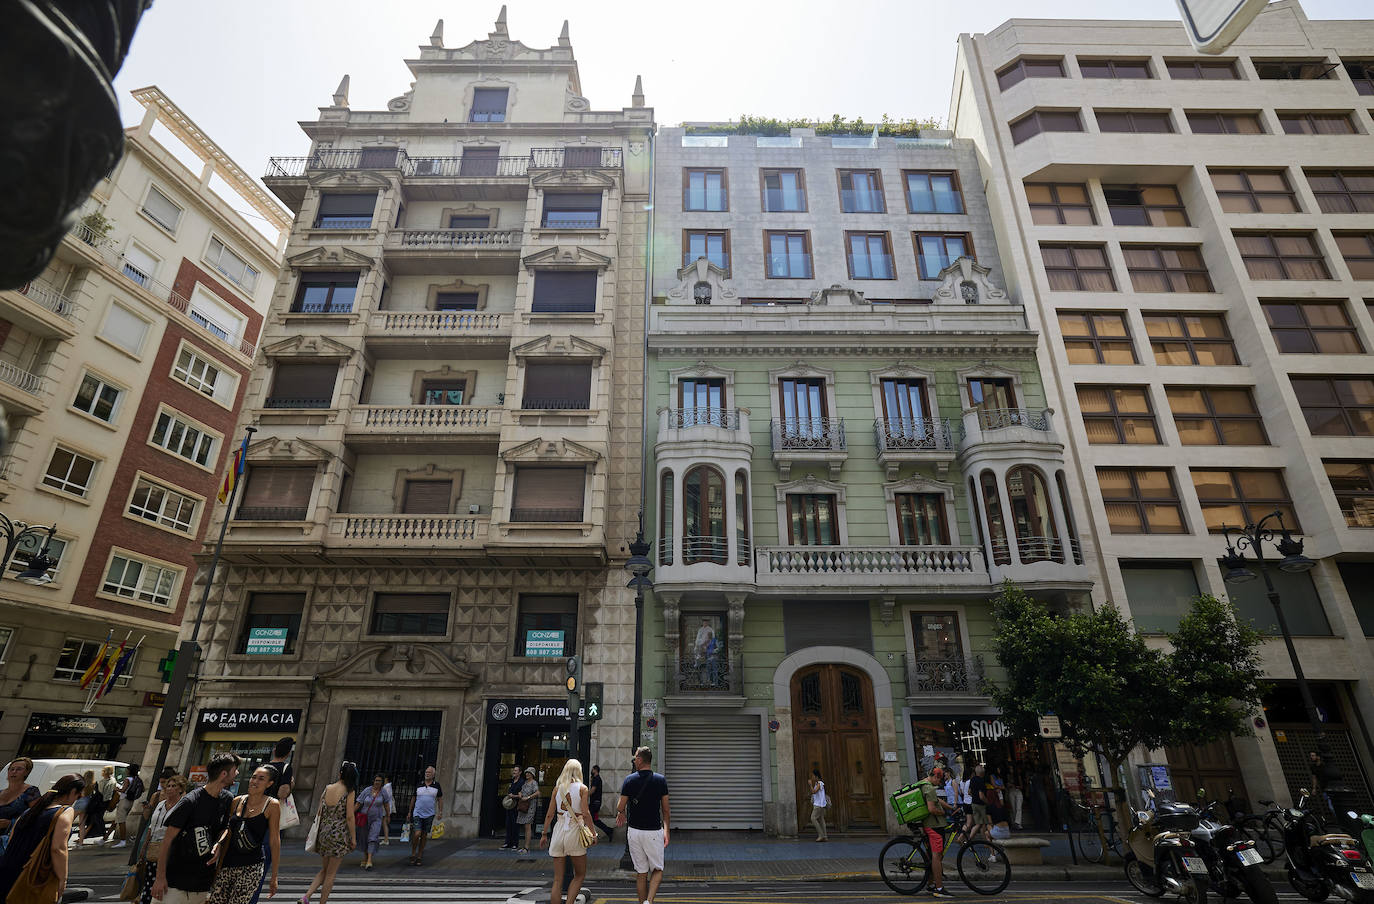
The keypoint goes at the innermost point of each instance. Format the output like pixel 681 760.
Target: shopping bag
pixel 405 834
pixel 437 831
pixel 314 831
pixel 290 816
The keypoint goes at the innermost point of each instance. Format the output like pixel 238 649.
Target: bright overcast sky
pixel 249 70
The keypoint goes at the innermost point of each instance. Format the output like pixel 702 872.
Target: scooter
pixel 1322 863
pixel 1162 858
pixel 1233 862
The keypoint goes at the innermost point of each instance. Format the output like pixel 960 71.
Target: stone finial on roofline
pixel 563 40
pixel 637 99
pixel 437 38
pixel 341 93
pixel 501 22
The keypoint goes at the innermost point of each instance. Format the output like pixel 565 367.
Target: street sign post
pixel 1212 25
pixel 266 641
pixel 1050 728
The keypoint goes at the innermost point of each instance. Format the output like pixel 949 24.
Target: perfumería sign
pixel 284 720
pixel 508 711
pixel 60 724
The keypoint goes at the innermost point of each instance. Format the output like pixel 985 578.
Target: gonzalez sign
pixel 283 720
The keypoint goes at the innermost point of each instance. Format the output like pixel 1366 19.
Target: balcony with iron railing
pixel 688 427
pixel 907 440
pixel 290 402
pixel 42 309
pixel 939 676
pixel 1007 425
pixel 21 388
pixel 547 515
pixel 890 568
pixel 812 440
pixel 692 560
pixel 272 513
pixel 708 674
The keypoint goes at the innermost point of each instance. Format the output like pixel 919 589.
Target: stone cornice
pixel 877 346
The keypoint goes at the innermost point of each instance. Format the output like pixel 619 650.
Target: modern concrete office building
pixel 1193 238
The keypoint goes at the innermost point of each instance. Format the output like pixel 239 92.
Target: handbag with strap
pixel 314 828
pixel 589 836
pixel 290 816
pixel 524 805
pixel 38 882
pixel 243 839
pixel 360 817
pixel 134 880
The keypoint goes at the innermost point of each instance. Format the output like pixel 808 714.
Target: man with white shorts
pixel 644 805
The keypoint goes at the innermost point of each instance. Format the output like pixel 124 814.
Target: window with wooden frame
pixel 1141 501
pixel 933 191
pixel 1344 190
pixel 163 506
pixel 701 401
pixel 997 525
pixel 921 519
pixel 546 612
pixel 783 190
pixel 705 189
pixel 1312 328
pixel 272 610
pixel 1294 70
pixel 456 301
pixel 489 104
pixel 322 292
pixel 427 497
pixel 1028 67
pixel 1216 416
pixel 665 518
pixel 1096 337
pixel 1336 406
pixel 1254 191
pixel 1242 496
pixel 1307 122
pixel 1032 516
pixel 703 516
pixel 1281 255
pixel 1118 415
pixel 1361 73
pixel 557 385
pixel 1358 250
pixel 1353 484
pixel 1095 67
pixel 564 292
pixel 1167 268
pixel 937 250
pixel 787 255
pixel 906 412
pixel 991 397
pixel 548 494
pixel 1180 339
pixel 1224 122
pixel 861 191
pixel 1145 205
pixel 869 255
pixel 277 493
pixel 712 244
pixel 812 519
pixel 1037 121
pixel 345 211
pixel 410 613
pixel 1202 70
pixel 802 405
pixel 1059 203
pixel 1077 268
pixel 443 392
pixel 1140 122
pixel 743 545
pixel 572 210
pixel 303 384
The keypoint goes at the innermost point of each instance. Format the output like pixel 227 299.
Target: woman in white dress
pixel 568 814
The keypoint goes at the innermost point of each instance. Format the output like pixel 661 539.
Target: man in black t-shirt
pixel 185 870
pixel 978 791
pixel 644 805
pixel 594 804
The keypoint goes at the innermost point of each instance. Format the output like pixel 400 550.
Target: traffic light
pixel 592 694
pixel 574 675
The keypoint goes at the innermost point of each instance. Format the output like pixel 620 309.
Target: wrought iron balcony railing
pixel 48 297
pixel 704 549
pixel 550 515
pixel 23 379
pixel 470 167
pixel 944 675
pixel 998 418
pixel 1037 549
pixel 574 157
pixel 665 550
pixel 913 435
pixel 707 673
pixel 296 403
pixel 725 418
pixel 540 404
pixel 812 434
pixel 272 513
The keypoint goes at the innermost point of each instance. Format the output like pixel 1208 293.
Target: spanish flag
pixel 235 472
pixel 98 662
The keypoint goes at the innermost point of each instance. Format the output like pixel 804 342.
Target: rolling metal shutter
pixel 715 775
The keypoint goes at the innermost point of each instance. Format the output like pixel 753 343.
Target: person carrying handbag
pixel 374 806
pixel 571 836
pixel 34 867
pixel 256 819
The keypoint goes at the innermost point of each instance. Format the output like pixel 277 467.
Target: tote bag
pixel 314 831
pixel 290 816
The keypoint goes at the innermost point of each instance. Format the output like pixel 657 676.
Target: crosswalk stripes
pixel 416 891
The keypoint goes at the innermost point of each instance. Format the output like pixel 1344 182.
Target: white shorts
pixel 646 849
pixel 566 840
pixel 177 896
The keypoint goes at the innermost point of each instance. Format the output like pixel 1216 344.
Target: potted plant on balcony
pixel 97 225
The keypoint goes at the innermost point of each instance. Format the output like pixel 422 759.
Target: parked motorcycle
pixel 1321 863
pixel 1234 864
pixel 1366 825
pixel 1162 857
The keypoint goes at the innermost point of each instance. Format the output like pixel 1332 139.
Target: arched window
pixel 973 501
pixel 1037 540
pixel 1069 529
pixel 703 516
pixel 743 548
pixel 997 528
pixel 665 518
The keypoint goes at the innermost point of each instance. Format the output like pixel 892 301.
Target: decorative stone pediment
pixel 554 450
pixel 326 256
pixel 965 281
pixel 810 484
pixel 702 282
pixel 901 371
pixel 918 483
pixel 559 347
pixel 837 295
pixel 377 663
pixel 280 450
pixel 801 369
pixel 349 179
pixel 589 179
pixel 566 257
pixel 701 370
pixel 308 347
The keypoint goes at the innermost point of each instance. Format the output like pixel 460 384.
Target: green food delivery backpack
pixel 910 802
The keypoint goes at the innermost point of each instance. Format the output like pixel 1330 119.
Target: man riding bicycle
pixel 931 825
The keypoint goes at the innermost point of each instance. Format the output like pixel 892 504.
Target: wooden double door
pixel 835 730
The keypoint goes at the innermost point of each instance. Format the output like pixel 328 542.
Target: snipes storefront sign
pixel 285 720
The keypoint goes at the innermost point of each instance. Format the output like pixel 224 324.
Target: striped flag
pixel 118 669
pixel 97 662
pixel 235 472
pixel 102 680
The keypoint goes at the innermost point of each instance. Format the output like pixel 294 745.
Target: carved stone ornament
pixel 402 103
pixel 965 282
pixel 837 295
pixel 636 148
pixel 574 103
pixel 371 662
pixel 698 272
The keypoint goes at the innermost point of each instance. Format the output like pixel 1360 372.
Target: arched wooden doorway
pixel 835 730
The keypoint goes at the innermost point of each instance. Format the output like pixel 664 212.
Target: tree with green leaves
pixel 1114 692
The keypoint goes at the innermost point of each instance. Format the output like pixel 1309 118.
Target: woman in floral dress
pixel 336 835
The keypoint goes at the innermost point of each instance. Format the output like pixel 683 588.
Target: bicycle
pixel 1090 818
pixel 904 862
pixel 1266 831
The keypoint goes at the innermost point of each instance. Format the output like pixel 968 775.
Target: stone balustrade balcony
pixel 893 569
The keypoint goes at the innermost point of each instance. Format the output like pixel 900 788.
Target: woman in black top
pixel 31 829
pixel 255 816
pixel 594 805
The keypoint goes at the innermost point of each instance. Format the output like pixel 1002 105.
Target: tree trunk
pixel 1123 813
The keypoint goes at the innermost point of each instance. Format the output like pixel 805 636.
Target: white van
pixel 46 772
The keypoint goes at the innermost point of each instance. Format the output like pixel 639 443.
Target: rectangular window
pixel 161 505
pixel 489 104
pixel 1336 406
pixel 789 255
pixel 1022 68
pixel 1141 501
pixel 410 613
pixel 139 265
pixel 1353 484
pixel 381 157
pixel 1224 122
pixel 77 656
pixel 1311 328
pixel 442 392
pixel 552 386
pixel 98 398
pixel 125 329
pixel 1058 203
pixel 803 409
pixel 1302 606
pixel 1096 337
pixel 1358 250
pixel 1281 255
pixel 1190 339
pixel 933 192
pixel 572 210
pixel 1358 578
pixel 272 610
pixel 937 250
pixel 1077 268
pixel 1240 497
pixel 458 301
pixel 427 497
pixel 1100 68
pixel 869 255
pixel 921 519
pixel 905 409
pixel 1343 191
pixel 1254 191
pixel 1216 416
pixel 139 579
pixel 701 401
pixel 162 209
pixel 1136 121
pixel 1159 593
pixel 705 189
pixel 546 612
pixel 326 293
pixel 1297 70
pixel 277 493
pixel 69 472
pixel 1118 415
pixel 861 191
pixel 811 520
pixel 456 221
pixel 1037 121
pixel 1309 123
pixel 548 494
pixel 714 245
pixel 784 190
pixel 479 163
pixel 1167 268
pixel 1145 205
pixel 303 385
pixel 183 439
pixel 346 211
pixel 198 373
pixel 564 292
pixel 31 545
pixel 1202 70
pixel 1361 74
pixel 234 267
pixel 583 156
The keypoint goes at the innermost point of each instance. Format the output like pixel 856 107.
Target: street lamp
pixel 1235 564
pixel 639 565
pixel 40 564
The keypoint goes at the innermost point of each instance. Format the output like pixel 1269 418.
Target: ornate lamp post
pixel 639 565
pixel 41 563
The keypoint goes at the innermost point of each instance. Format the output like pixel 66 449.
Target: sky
pixel 248 71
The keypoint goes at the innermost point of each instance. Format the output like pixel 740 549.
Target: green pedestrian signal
pixel 592 694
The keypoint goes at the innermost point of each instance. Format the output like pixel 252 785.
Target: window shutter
pixel 832 623
pixel 140 259
pixel 489 100
pixel 573 200
pixel 427 497
pixel 347 205
pixel 125 329
pixel 162 209
pixel 305 381
pixel 278 488
pixel 411 602
pixel 548 494
pixel 565 291
pixel 276 603
pixel 582 156
pixel 558 385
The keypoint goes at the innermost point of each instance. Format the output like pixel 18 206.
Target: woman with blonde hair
pixel 569 805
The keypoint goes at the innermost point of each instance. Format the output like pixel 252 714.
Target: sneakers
pixel 940 893
pixel 120 844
